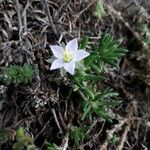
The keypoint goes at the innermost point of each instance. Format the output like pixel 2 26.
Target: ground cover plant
pixel 74 75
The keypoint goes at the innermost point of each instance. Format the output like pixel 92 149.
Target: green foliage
pixel 78 134
pixel 51 146
pixel 105 54
pixel 99 10
pixel 100 104
pixel 17 74
pixel 23 141
pixel 109 50
pixel 114 139
pixel 84 42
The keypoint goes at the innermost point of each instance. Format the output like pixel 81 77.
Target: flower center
pixel 67 56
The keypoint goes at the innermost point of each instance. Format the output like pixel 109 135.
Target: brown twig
pixel 56 120
pixel 50 18
pixel 111 132
pixel 19 15
pixel 124 137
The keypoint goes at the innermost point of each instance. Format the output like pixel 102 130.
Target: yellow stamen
pixel 67 56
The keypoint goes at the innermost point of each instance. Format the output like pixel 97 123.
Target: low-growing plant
pixel 23 141
pixel 17 74
pixel 78 134
pixel 114 139
pixel 85 70
pixel 100 104
pixel 106 53
pixel 86 73
pixel 51 146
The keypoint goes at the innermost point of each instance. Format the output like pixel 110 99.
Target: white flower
pixel 68 56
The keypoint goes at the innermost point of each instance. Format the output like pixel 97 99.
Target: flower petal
pixel 72 45
pixel 57 51
pixel 57 63
pixel 70 67
pixel 80 54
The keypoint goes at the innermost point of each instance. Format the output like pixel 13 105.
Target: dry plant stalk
pixel 111 132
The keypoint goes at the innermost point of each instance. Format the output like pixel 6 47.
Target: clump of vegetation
pixel 78 134
pixel 100 104
pixel 107 52
pixel 17 74
pixel 23 141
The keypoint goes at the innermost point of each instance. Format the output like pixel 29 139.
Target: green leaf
pixel 51 146
pixel 84 42
pixel 86 111
pixel 103 113
pixel 93 78
pixel 89 60
pixel 109 50
pixel 89 93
